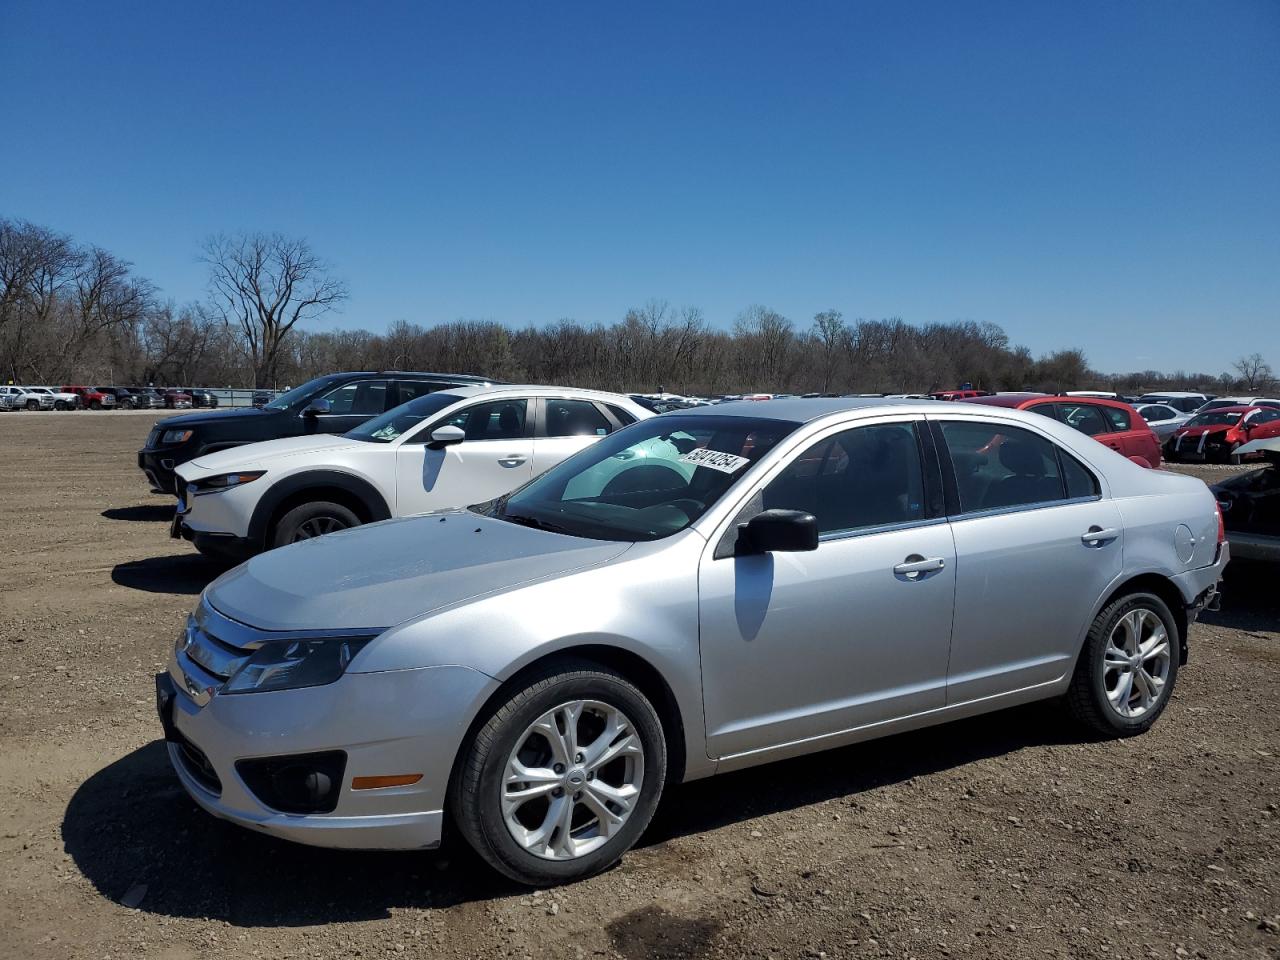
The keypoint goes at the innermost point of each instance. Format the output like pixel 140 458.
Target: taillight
pixel 1222 527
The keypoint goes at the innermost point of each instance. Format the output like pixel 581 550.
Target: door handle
pixel 1097 535
pixel 915 565
pixel 514 460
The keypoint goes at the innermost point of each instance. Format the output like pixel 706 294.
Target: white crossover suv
pixel 445 449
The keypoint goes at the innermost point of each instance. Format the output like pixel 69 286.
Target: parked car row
pixel 74 397
pixel 634 600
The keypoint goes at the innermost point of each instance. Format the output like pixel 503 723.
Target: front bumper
pixel 395 722
pixel 158 464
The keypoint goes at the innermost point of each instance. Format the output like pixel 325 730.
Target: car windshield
pixel 290 397
pixel 400 420
pixel 1214 419
pixel 645 482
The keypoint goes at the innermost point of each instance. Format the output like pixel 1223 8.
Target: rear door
pixel 566 426
pixel 1036 544
pixel 1131 434
pixel 495 458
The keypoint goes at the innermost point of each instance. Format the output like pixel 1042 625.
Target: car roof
pixel 1171 393
pixel 534 390
pixel 804 409
pixel 458 377
pixel 1236 408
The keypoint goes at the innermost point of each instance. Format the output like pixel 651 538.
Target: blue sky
pixel 1095 174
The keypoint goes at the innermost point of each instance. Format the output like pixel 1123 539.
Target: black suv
pixel 202 398
pixel 332 404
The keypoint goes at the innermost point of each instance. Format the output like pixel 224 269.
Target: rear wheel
pixel 1128 667
pixel 563 777
pixel 33 404
pixel 59 404
pixel 311 520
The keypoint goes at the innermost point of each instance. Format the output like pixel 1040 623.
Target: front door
pixel 495 457
pixel 799 645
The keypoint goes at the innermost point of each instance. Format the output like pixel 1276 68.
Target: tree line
pixel 73 312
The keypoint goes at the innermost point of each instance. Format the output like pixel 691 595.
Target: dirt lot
pixel 1005 836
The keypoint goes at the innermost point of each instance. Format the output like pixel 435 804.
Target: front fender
pixel 285 488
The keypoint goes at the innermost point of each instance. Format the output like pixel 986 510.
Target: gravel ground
pixel 1003 836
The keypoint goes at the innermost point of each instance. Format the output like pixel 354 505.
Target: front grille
pixel 197 765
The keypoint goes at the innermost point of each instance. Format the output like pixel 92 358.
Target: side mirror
pixel 446 436
pixel 317 408
pixel 778 531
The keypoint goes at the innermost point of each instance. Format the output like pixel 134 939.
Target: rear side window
pixel 1118 418
pixel 1084 417
pixel 865 477
pixel 620 415
pixel 997 465
pixel 1156 414
pixel 1079 480
pixel 407 390
pixel 575 418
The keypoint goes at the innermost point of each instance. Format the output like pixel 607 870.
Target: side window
pixel 1083 417
pixel 495 420
pixel 363 398
pixel 1079 479
pixel 864 477
pixel 620 415
pixel 574 418
pixel 1118 418
pixel 407 390
pixel 1049 410
pixel 1265 416
pixel 997 465
pixel 1188 404
pixel 1156 414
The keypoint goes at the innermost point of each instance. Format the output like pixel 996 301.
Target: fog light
pixel 304 783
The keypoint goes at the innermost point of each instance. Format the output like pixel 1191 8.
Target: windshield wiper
pixel 538 524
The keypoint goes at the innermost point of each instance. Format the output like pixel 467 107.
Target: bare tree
pixel 266 283
pixel 1254 372
pixel 832 335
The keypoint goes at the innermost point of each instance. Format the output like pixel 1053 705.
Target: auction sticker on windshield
pixel 724 462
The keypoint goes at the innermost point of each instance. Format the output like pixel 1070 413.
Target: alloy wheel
pixel 573 780
pixel 1136 663
pixel 318 527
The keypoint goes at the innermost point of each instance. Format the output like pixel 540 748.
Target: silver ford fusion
pixel 695 593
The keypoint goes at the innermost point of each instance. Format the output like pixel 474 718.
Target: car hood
pixel 379 575
pixel 209 416
pixel 253 454
pixel 1198 431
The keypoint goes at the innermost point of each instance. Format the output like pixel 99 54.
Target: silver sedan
pixel 1163 419
pixel 696 593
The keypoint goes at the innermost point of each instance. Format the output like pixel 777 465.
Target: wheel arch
pixel 1166 590
pixel 629 664
pixel 355 493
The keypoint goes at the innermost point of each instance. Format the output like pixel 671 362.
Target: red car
pixel 92 398
pixel 1214 435
pixel 177 399
pixel 958 394
pixel 1109 422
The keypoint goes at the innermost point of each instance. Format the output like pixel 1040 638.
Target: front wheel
pixel 1128 667
pixel 312 520
pixel 563 777
pixel 60 405
pixel 33 404
pixel 96 405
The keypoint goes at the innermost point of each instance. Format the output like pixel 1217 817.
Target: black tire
pixel 309 520
pixel 475 794
pixel 1087 696
pixel 59 405
pixel 33 404
pixel 96 405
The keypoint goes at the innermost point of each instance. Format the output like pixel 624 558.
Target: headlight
pixel 290 664
pixel 223 481
pixel 176 436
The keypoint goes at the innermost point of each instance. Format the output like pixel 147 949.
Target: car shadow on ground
pixel 131 824
pixel 179 574
pixel 149 512
pixel 1250 600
